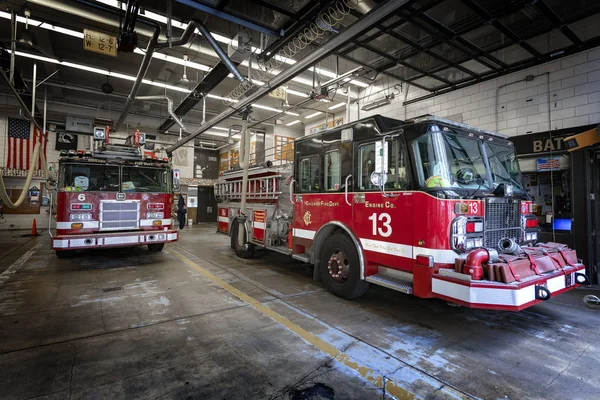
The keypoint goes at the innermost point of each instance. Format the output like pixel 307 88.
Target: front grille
pixel 119 214
pixel 502 220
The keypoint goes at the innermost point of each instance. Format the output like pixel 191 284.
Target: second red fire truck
pixel 428 207
pixel 113 196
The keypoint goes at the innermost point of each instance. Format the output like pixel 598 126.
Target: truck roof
pixel 385 124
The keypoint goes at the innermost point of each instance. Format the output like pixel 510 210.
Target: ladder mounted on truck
pixel 263 184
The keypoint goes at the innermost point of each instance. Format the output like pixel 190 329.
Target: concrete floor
pixel 195 322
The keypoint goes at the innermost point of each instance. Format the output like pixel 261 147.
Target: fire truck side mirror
pixel 176 186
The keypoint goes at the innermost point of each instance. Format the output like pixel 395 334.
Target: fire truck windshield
pixel 113 178
pixel 89 178
pixel 446 160
pixel 146 179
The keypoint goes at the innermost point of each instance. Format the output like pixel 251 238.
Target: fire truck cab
pixel 112 196
pixel 429 207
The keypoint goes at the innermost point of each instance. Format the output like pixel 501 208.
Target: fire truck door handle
pixel 292 191
pixel 346 189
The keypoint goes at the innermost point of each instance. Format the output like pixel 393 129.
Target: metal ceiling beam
pixel 210 81
pixel 558 22
pixel 589 44
pixel 305 17
pixel 377 70
pixel 359 27
pixel 276 8
pixel 229 17
pixel 496 23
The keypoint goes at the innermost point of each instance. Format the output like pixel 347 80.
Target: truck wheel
pixel 242 250
pixel 156 246
pixel 340 268
pixel 65 253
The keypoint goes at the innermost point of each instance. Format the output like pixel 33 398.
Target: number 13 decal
pixel 385 229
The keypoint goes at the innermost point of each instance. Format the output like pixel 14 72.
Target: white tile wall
pixel 522 107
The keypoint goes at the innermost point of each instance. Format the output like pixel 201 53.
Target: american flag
pixel 20 146
pixel 547 164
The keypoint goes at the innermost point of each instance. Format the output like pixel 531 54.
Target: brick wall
pixel 509 104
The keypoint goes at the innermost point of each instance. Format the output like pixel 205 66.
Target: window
pixel 89 178
pixel 374 157
pixel 332 171
pixel 141 179
pixel 284 148
pixel 309 174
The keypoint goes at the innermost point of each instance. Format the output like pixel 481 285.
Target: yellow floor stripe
pixel 366 372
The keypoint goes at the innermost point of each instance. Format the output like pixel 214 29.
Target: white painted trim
pixel 394 249
pixel 122 240
pixel 494 296
pixel 401 250
pixel 150 222
pixel 304 233
pixel 259 225
pixel 490 296
pixel 172 236
pixel 223 219
pixel 60 243
pixel 86 224
pixel 443 256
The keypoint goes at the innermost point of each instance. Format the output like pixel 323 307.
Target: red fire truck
pixel 113 196
pixel 428 207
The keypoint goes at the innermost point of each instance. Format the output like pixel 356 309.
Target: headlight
pixel 81 217
pixel 466 233
pixel 155 215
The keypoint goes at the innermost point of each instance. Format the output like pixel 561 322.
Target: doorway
pixel 207 205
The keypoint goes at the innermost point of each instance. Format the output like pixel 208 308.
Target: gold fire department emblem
pixel 306 218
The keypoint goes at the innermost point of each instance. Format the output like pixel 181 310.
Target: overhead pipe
pixel 363 24
pixel 169 100
pixel 154 44
pixel 13 45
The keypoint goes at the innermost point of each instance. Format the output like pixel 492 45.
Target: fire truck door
pixel 382 208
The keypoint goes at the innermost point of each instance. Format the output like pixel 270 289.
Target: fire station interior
pixel 299 199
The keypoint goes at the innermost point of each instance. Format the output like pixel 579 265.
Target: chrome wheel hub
pixel 338 266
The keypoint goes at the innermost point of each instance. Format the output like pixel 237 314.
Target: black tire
pixel 242 250
pixel 338 255
pixel 156 246
pixel 65 253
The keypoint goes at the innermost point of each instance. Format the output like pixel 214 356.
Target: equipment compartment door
pixel 382 206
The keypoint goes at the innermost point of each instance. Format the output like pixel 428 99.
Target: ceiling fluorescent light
pixel 292 113
pixel 293 122
pixel 337 106
pixel 266 108
pixel 313 115
pixel 296 93
pixel 378 103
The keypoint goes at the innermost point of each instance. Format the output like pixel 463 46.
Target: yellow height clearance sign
pixel 99 42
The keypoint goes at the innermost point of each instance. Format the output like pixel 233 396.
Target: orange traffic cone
pixel 34 231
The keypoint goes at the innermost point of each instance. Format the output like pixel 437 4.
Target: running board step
pixel 391 283
pixel 302 257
